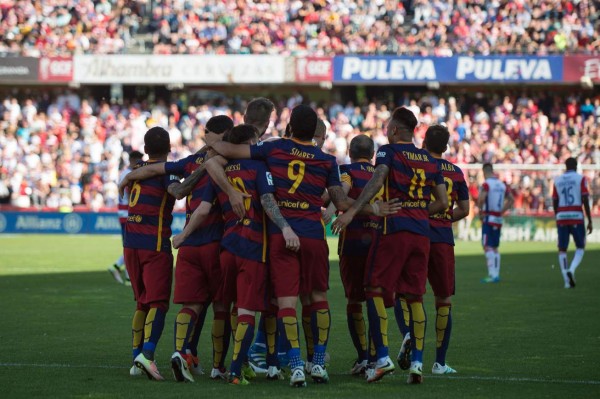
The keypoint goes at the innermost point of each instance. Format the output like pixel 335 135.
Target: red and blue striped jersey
pixel 440 224
pixel 246 238
pixel 212 227
pixel 150 215
pixel 412 174
pixel 301 173
pixel 357 237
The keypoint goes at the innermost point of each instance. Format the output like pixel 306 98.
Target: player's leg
pixel 139 317
pixel 157 277
pixel 224 298
pixel 257 353
pixel 403 322
pixel 382 273
pixel 271 337
pixel 491 241
pixel 497 259
pixel 440 273
pixel 578 232
pixel 192 348
pixel 185 322
pixel 308 330
pixel 412 284
pixel 352 272
pixel 487 250
pixel 285 280
pixel 563 245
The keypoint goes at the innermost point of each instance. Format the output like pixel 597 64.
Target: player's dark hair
pixel 405 118
pixel 361 147
pixel 135 156
pixel 303 122
pixel 258 113
pixel 488 167
pixel 288 131
pixel 242 133
pixel 321 128
pixel 219 124
pixel 436 139
pixel 157 142
pixel 571 163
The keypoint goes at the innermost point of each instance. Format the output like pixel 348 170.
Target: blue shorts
pixel 490 236
pixel 576 230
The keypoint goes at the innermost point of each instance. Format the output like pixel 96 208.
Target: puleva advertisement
pixel 464 69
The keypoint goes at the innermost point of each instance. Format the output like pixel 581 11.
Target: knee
pixel 318 296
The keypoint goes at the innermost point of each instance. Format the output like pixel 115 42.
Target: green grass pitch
pixel 65 330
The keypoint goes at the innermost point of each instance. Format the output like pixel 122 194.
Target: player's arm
pixel 461 210
pixel 195 222
pixel 586 206
pixel 272 210
pixel 342 202
pixel 184 189
pixel 216 169
pixel 228 150
pixel 509 200
pixel 481 201
pixel 440 204
pixel 555 200
pixel 328 213
pixel 143 173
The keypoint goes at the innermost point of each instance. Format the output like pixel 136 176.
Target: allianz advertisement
pixel 69 223
pixel 464 69
pixel 516 228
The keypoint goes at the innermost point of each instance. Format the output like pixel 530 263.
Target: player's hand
pixel 236 199
pixel 326 216
pixel 123 185
pixel 590 228
pixel 178 239
pixel 388 208
pixel 292 242
pixel 211 138
pixel 342 222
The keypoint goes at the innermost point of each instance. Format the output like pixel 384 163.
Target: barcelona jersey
pixel 212 227
pixel 412 174
pixel 357 237
pixel 149 218
pixel 301 173
pixel 245 238
pixel 440 224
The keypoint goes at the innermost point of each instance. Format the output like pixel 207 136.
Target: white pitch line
pixel 453 377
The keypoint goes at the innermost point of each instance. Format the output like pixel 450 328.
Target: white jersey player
pixel 494 199
pixel 117 268
pixel 569 195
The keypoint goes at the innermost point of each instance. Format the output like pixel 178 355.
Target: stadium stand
pixel 293 27
pixel 64 150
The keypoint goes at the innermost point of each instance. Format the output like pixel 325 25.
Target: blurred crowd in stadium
pixel 294 27
pixel 61 150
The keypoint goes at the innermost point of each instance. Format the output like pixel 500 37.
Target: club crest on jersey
pixel 269 178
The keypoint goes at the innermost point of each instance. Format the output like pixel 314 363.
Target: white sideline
pixel 467 377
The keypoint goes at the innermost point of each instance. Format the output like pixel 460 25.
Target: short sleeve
pixel 384 156
pixel 334 175
pixel 180 167
pixel 264 180
pixel 584 187
pixel 262 150
pixel 170 179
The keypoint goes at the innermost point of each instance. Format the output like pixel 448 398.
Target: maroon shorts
pixel 352 270
pixel 440 271
pixel 294 273
pixel 244 282
pixel 151 274
pixel 197 274
pixel 398 263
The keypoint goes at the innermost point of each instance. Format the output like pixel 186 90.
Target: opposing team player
pixel 570 193
pixel 116 270
pixel 301 173
pixel 354 244
pixel 244 246
pixel 441 267
pixel 494 200
pixel 148 256
pixel 398 258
